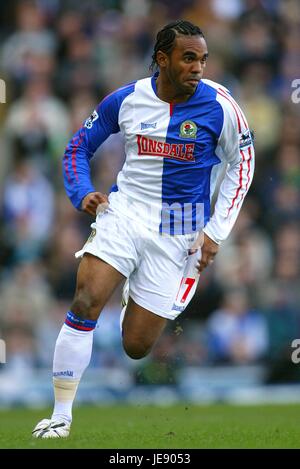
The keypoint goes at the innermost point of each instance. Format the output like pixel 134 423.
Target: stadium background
pixel 58 59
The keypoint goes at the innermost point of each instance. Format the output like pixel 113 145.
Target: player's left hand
pixel 93 202
pixel 208 252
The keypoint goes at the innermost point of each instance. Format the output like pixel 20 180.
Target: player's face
pixel 186 63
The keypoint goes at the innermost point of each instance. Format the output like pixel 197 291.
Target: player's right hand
pixel 208 252
pixel 91 202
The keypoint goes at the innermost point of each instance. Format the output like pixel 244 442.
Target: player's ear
pixel 161 59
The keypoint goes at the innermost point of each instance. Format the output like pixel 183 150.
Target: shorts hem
pixel 145 305
pixel 108 260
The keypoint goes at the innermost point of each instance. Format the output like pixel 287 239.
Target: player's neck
pixel 166 92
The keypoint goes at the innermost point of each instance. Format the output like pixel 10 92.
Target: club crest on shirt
pixel 90 120
pixel 188 129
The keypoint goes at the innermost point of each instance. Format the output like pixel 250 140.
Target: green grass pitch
pixel 178 426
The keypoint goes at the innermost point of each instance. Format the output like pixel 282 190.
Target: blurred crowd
pixel 58 60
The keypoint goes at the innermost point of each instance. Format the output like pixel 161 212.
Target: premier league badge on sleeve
pixel 245 139
pixel 89 122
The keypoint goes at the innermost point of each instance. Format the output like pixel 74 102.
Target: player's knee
pixel 135 349
pixel 85 306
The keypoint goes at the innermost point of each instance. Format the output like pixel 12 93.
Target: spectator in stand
pixel 236 334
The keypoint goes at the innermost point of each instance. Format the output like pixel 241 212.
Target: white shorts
pixel 162 275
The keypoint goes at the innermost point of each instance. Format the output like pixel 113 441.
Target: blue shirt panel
pixel 186 184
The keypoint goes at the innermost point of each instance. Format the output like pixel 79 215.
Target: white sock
pixel 72 355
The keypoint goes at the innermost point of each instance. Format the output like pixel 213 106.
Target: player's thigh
pixel 96 281
pixel 141 328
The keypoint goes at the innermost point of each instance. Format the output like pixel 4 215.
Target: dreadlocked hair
pixel 165 39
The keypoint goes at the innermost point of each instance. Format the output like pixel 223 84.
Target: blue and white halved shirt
pixel 177 156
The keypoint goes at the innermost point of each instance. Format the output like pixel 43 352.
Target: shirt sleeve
pixel 81 148
pixel 235 147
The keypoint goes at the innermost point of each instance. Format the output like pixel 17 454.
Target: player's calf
pixel 84 306
pixel 135 349
pixel 141 329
